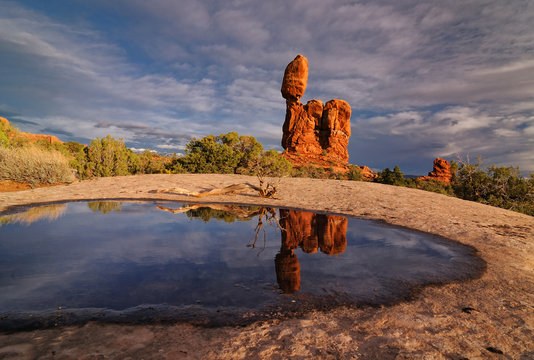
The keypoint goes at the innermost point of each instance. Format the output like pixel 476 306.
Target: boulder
pixel 295 79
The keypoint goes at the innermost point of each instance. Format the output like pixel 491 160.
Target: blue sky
pixel 423 78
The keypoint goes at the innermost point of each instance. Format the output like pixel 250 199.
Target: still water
pixel 142 261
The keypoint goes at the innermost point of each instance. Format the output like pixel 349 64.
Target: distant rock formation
pixel 31 137
pixel 440 172
pixel 313 133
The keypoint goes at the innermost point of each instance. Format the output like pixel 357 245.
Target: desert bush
pixel 173 166
pixel 106 157
pixel 34 166
pixel 269 163
pixel 310 171
pixel 355 173
pixel 430 185
pixel 497 186
pixel 5 134
pixel 224 154
pixel 150 163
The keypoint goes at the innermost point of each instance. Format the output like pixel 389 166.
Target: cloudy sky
pixel 424 78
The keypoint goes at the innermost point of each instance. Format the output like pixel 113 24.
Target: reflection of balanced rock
pixel 287 271
pixel 311 231
pixel 300 230
pixel 332 233
pixel 313 133
pixel 440 172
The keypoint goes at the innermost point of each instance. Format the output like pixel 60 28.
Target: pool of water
pixel 207 264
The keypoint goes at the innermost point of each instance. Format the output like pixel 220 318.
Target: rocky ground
pixel 491 317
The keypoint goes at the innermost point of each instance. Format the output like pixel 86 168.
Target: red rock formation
pixel 441 172
pixel 368 174
pixel 313 134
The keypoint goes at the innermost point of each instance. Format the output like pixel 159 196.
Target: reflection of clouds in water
pixel 148 243
pixel 399 238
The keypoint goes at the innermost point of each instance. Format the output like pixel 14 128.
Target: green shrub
pixel 34 166
pixel 269 163
pixel 220 154
pixel 355 173
pixel 395 177
pixel 106 157
pixel 310 171
pixel 150 163
pixel 497 186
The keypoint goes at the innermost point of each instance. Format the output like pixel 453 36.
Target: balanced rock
pixel 313 133
pixel 440 172
pixel 295 79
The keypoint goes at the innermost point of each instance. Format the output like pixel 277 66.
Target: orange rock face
pixel 313 133
pixel 441 172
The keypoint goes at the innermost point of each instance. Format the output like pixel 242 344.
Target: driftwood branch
pixel 232 189
pixel 266 190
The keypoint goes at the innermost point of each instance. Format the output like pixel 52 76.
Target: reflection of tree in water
pixel 33 214
pixel 309 231
pixel 206 212
pixel 105 206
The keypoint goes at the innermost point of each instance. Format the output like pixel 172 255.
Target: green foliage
pixel 497 186
pixel 430 185
pixel 5 134
pixel 232 154
pixel 106 157
pixel 355 173
pixel 34 166
pixel 395 177
pixel 310 171
pixel 269 163
pixel 150 163
pixel 173 166
pixel 209 155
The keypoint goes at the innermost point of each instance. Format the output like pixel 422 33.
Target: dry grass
pixel 34 166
